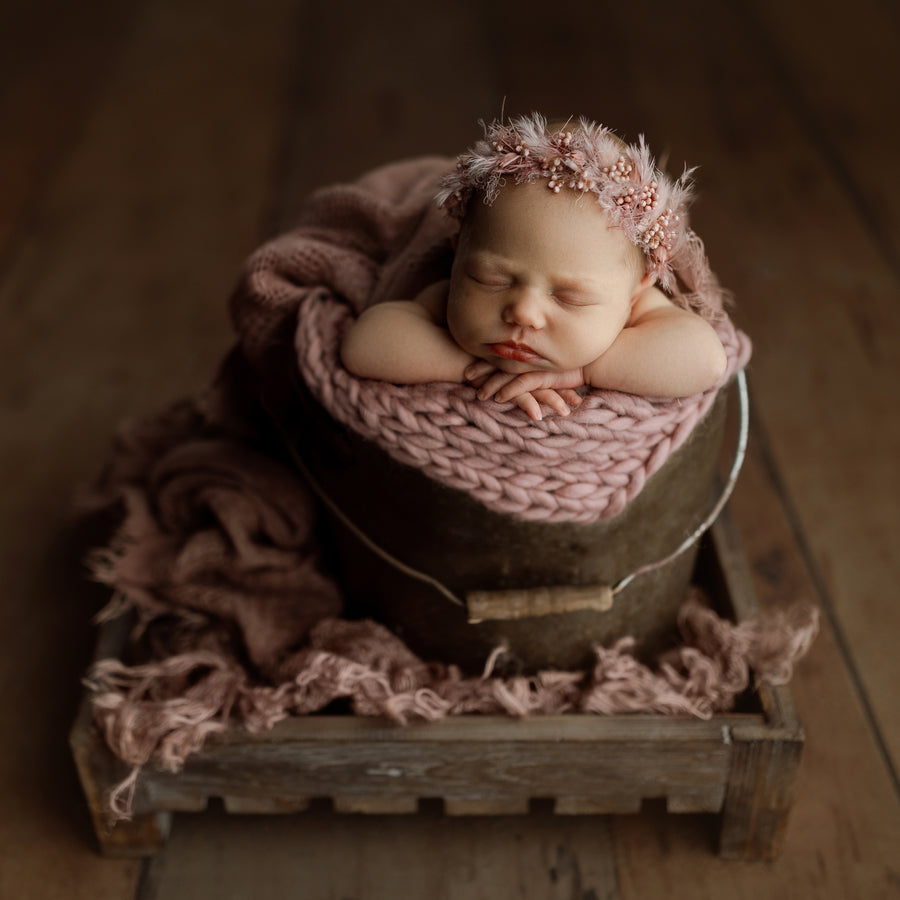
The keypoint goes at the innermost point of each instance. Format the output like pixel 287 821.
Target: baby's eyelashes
pixel 567 298
pixel 491 281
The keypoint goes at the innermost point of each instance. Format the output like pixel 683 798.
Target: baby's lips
pixel 515 351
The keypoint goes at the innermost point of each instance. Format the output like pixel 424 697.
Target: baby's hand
pixel 527 391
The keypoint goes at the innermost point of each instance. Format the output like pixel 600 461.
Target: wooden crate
pixel 741 766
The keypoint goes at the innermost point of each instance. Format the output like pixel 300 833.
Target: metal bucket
pixel 458 542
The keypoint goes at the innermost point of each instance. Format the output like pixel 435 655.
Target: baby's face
pixel 540 281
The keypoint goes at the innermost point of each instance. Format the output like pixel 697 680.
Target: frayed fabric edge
pixel 162 712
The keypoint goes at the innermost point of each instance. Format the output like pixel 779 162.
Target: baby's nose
pixel 525 308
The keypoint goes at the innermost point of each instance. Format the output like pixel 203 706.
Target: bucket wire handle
pixel 697 533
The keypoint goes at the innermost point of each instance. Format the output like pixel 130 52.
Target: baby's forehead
pixel 477 232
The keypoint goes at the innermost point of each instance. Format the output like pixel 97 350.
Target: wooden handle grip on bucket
pixel 540 601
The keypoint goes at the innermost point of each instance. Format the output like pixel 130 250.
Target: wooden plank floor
pixel 147 146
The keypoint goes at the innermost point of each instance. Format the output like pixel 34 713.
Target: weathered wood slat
pixel 375 804
pixel 264 805
pixel 760 794
pixel 178 800
pixel 616 731
pixel 146 833
pixel 519 764
pixel 590 806
pixel 486 806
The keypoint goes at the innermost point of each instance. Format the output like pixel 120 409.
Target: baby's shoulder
pixel 650 300
pixel 433 299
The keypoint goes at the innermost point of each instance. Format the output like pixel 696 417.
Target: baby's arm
pixel 404 342
pixel 665 351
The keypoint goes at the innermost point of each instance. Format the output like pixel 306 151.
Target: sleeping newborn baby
pixel 573 267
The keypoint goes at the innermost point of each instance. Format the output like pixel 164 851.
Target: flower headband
pixel 646 204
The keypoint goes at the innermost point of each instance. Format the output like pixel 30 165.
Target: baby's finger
pixel 522 384
pixel 478 371
pixel 553 400
pixel 493 386
pixel 530 405
pixel 573 398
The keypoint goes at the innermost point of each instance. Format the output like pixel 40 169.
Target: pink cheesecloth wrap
pixel 215 551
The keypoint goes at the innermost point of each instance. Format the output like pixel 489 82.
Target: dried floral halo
pixel 645 203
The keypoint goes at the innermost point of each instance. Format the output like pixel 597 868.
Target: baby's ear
pixel 647 281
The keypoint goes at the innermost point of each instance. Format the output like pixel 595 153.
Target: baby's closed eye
pixel 573 298
pixel 490 279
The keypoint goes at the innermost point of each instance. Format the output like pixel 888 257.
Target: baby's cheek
pixel 591 344
pixel 453 321
pixel 464 321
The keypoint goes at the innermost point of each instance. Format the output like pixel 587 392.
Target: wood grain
pixel 841 83
pixel 844 467
pixel 325 854
pixel 368 766
pixel 406 80
pixel 53 64
pixel 130 196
